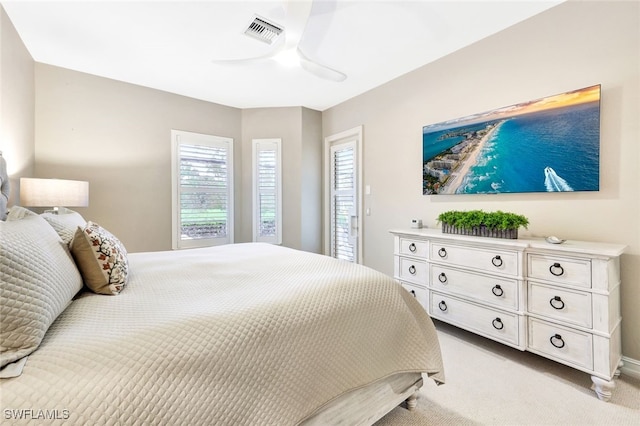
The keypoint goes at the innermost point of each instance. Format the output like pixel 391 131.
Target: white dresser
pixel 560 301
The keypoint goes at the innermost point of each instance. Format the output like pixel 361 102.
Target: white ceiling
pixel 172 46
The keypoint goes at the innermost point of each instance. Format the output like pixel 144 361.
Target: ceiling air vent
pixel 263 30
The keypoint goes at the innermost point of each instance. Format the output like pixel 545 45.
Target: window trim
pixel 179 137
pixel 277 142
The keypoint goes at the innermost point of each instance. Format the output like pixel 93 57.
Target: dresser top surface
pixel 531 243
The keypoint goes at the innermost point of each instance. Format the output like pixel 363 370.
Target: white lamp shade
pixel 53 193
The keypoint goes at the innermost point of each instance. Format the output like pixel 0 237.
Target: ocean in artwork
pixel 543 151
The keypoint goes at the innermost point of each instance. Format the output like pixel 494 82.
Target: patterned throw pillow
pixel 101 259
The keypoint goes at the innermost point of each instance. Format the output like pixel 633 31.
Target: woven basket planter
pixel 481 231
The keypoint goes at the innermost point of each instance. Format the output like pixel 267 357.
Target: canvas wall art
pixel 546 145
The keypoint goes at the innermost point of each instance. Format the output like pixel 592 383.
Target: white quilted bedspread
pixel 245 334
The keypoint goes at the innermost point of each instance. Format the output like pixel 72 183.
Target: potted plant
pixel 496 224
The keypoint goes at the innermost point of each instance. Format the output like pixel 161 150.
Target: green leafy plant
pixel 477 218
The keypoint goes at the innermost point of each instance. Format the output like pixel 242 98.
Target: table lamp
pixel 56 193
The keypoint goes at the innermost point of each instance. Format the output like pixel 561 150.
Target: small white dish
pixel 554 240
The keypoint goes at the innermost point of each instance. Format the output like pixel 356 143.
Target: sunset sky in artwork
pixel 574 97
pixel 588 94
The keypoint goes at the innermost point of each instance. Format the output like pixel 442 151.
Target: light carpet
pixel 491 384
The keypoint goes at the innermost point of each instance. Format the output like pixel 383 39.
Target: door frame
pixel 351 134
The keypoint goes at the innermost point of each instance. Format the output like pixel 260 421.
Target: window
pixel 267 191
pixel 202 189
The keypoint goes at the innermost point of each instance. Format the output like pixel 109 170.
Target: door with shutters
pixel 345 223
pixel 344 231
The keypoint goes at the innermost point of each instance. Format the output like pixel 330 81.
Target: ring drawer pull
pixel 556 303
pixel 497 290
pixel 556 269
pixel 499 323
pixel 412 248
pixel 414 293
pixel 497 261
pixel 557 338
pixel 442 305
pixel 442 252
pixel 412 270
pixel 442 277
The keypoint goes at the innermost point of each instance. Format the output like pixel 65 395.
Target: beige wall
pixel 571 46
pixel 311 181
pixel 117 136
pixel 300 131
pixel 17 141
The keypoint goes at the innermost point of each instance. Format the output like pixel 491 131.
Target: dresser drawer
pixel 562 343
pixel 418 292
pixel 411 270
pixel 573 307
pixel 489 322
pixel 569 271
pixel 501 292
pixel 412 247
pixel 488 260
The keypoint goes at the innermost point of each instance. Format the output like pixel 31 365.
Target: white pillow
pixel 38 279
pixel 65 224
pixel 19 212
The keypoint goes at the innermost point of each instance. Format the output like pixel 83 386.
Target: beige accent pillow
pixel 38 279
pixel 101 259
pixel 65 224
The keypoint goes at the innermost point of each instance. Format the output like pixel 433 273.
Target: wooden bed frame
pixel 369 404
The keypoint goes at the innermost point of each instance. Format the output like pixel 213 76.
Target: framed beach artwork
pixel 550 144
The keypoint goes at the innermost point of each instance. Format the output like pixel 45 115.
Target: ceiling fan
pixel 286 40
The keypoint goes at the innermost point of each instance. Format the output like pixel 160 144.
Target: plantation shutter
pixel 267 191
pixel 204 192
pixel 343 202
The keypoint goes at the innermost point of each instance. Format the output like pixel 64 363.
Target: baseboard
pixel 631 367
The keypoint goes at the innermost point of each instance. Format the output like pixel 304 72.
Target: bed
pixel 242 334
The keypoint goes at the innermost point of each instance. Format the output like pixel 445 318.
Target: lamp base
pixel 57 210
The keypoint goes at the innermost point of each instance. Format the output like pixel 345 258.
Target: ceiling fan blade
pixel 278 47
pixel 243 61
pixel 320 19
pixel 315 9
pixel 320 70
pixel 298 12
